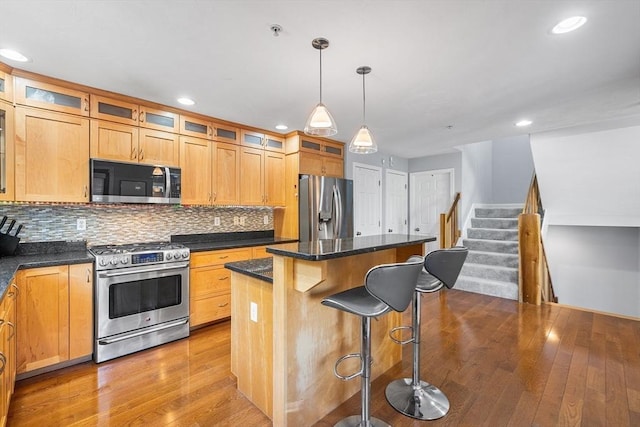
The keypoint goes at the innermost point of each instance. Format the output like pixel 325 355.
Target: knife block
pixel 8 244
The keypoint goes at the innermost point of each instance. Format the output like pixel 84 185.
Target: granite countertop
pixel 45 254
pixel 215 241
pixel 336 248
pixel 261 269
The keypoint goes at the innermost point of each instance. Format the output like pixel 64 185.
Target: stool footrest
pixel 342 359
pixel 400 328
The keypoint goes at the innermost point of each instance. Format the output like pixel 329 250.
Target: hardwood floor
pixel 499 362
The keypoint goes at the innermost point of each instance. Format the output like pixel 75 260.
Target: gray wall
pixel 512 169
pixel 477 165
pixel 595 267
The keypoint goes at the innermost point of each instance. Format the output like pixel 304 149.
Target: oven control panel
pixel 147 258
pixel 123 260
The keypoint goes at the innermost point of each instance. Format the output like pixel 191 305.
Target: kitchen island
pixel 284 342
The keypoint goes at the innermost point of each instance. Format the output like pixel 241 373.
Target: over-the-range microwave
pixel 120 182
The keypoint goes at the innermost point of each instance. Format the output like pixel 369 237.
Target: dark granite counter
pixel 261 269
pixel 215 241
pixel 337 248
pixel 45 254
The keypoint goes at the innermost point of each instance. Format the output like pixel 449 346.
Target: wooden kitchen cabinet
pixel 261 177
pixel 317 156
pixel 210 172
pixel 55 320
pixel 208 129
pixel 130 113
pixel 265 141
pixel 6 86
pixel 51 156
pixel 7 349
pixel 210 284
pixel 7 156
pixel 38 94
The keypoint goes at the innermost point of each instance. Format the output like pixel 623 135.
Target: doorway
pixel 367 200
pixel 431 195
pixel 396 196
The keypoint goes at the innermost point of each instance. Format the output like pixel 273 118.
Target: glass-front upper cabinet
pixel 6 151
pixel 51 97
pixel 6 86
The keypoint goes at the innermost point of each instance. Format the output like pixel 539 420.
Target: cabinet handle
pixel 88 275
pixel 215 196
pixel 223 278
pixel 4 362
pixel 210 130
pixel 223 257
pixel 13 285
pixel 210 197
pixel 141 117
pixel 140 154
pixel 134 113
pixel 86 103
pixel 13 331
pixel 134 154
pixel 219 305
pixel 86 190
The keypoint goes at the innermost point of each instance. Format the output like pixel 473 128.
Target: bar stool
pixel 386 287
pixel 411 396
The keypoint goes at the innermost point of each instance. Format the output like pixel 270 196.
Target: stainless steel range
pixel 141 297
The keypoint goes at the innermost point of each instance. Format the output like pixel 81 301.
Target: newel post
pixel 530 253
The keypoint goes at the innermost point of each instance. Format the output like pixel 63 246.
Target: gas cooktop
pixel 134 248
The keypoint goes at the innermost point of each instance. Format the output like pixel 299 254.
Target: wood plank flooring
pixel 499 362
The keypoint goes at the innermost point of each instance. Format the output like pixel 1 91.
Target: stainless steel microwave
pixel 119 182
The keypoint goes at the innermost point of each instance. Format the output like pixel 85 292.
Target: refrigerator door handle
pixel 337 223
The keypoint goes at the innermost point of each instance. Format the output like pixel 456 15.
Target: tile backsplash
pixel 115 224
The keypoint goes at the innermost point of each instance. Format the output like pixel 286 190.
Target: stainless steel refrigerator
pixel 326 207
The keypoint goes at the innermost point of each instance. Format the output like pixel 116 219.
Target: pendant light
pixel 363 142
pixel 320 121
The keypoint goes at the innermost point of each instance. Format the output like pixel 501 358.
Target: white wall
pixel 596 267
pixel 590 178
pixel 477 180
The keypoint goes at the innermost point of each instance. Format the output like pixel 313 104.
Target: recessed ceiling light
pixel 282 127
pixel 523 123
pixel 186 101
pixel 569 24
pixel 13 55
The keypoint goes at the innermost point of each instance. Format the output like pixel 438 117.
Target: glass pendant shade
pixel 320 122
pixel 363 142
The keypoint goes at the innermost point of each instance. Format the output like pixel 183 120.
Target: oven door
pixel 133 298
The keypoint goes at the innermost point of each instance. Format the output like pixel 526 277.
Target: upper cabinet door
pixel 51 97
pixel 252 176
pixel 274 143
pixel 6 86
pixel 225 133
pixel 226 174
pixel 52 156
pixel 333 149
pixel 252 139
pixel 199 128
pixel 114 141
pixel 158 148
pixel 114 110
pixel 195 162
pixel 158 119
pixel 7 135
pixel 274 179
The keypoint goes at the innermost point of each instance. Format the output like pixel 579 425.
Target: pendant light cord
pixel 363 102
pixel 320 75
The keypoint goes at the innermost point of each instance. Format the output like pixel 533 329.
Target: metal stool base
pixel 425 402
pixel 356 421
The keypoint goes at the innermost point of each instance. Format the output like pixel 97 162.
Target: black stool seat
pixel 357 301
pixel 386 287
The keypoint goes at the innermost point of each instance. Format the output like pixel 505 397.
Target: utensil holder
pixel 8 244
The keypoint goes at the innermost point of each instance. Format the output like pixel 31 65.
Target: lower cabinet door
pixel 210 309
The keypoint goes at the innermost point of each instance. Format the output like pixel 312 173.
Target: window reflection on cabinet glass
pixel 224 133
pixel 3 153
pixel 115 110
pixel 159 120
pixel 53 97
pixel 195 127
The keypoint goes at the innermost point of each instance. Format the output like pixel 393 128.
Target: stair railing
pixel 535 284
pixel 449 231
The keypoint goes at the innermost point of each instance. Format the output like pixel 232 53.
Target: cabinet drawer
pixel 200 259
pixel 209 281
pixel 210 309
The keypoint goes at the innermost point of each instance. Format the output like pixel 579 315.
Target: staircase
pixel 492 265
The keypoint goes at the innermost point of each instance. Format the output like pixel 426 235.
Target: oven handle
pixel 106 341
pixel 128 271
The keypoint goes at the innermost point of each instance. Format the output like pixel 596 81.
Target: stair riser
pixel 488 272
pixel 493 259
pixel 494 223
pixel 508 291
pixel 498 212
pixel 503 247
pixel 492 234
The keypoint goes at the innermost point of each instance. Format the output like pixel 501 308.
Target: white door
pixel 367 200
pixel 431 195
pixel 396 192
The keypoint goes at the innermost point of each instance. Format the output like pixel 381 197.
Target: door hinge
pixel 405 186
pixel 405 222
pixel 379 183
pixel 378 223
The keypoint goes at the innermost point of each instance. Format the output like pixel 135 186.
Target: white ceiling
pixel 475 65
